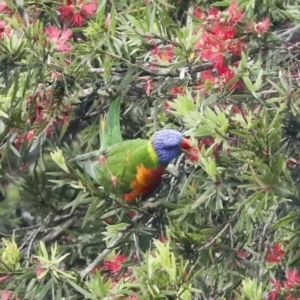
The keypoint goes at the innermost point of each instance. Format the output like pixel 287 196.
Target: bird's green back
pixel 122 160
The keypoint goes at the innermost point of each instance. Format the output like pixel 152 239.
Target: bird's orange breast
pixel 145 182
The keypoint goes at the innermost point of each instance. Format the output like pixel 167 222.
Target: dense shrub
pixel 224 223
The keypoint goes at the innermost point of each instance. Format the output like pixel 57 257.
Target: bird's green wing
pixel 121 162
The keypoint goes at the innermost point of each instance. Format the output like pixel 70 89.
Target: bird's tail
pixel 110 129
pixel 110 134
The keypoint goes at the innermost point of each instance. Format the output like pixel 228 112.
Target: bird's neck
pixel 152 152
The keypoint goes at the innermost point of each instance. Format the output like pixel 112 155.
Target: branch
pixel 289 35
pixel 225 228
pixel 28 250
pixel 58 230
pixel 163 71
pixel 55 232
pixel 102 70
pixel 260 246
pixel 22 11
pixel 106 251
pixel 189 18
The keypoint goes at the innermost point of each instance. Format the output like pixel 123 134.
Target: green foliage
pixel 10 256
pixel 250 290
pixel 211 230
pixel 166 274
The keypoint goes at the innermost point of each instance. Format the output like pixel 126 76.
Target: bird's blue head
pixel 168 144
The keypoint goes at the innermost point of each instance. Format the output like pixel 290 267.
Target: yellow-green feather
pixel 152 152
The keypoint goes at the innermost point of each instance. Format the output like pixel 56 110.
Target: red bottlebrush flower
pixel 292 278
pixel 3 7
pixel 211 49
pixel 76 12
pixel 56 75
pixel 193 155
pixel 237 110
pixel 222 32
pixel 114 181
pixel 198 13
pixel 163 239
pixel 131 214
pixel 4 28
pixel 262 26
pixel 38 270
pixel 204 42
pixel 102 159
pixel 59 38
pixel 275 253
pixel 155 51
pixel 177 90
pixel 90 8
pixel 277 287
pixel 167 105
pixel 66 12
pixel 221 68
pixel 3 277
pixel 115 264
pixel 276 284
pixel 29 135
pixel 216 42
pixel 235 14
pixel 236 46
pixel 165 54
pixel 213 13
pixel 77 19
pixel 7 295
pixel 207 141
pixel 209 76
pixel 272 295
pixel 23 138
pixel 242 253
pixel 292 163
pixel 149 86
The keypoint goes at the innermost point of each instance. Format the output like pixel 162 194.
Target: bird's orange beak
pixel 185 146
pixel 191 151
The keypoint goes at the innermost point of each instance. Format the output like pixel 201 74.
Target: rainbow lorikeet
pixel 133 168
